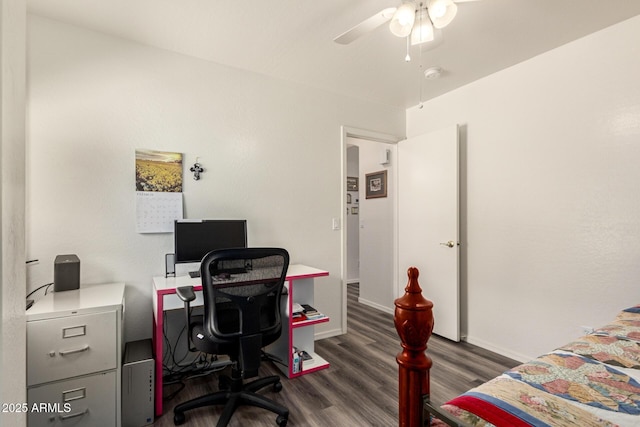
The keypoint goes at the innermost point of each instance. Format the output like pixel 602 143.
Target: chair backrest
pixel 242 291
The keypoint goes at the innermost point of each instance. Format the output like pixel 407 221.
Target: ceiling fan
pixel 421 20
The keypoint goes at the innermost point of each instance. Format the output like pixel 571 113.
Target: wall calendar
pixel 158 191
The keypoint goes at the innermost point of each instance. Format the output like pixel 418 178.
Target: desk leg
pixel 158 339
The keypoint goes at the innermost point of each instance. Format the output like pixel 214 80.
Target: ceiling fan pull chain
pixel 408 57
pixel 420 77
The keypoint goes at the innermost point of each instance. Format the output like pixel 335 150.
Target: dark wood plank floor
pixel 361 386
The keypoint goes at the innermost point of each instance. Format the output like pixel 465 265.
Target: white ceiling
pixel 293 39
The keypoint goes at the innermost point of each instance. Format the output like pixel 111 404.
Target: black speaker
pixel 66 273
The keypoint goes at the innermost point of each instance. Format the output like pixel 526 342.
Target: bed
pixel 592 381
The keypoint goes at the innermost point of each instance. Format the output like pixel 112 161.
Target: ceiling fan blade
pixel 365 26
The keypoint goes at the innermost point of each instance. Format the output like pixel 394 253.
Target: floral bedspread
pixel 610 350
pixel 593 381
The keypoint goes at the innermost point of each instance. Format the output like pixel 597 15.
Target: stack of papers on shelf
pixel 317 315
pixel 304 312
pixel 311 313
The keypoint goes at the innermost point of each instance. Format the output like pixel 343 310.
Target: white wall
pixel 12 225
pixel 271 150
pixel 376 222
pixel 552 209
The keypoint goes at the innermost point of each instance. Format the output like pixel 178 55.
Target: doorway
pixel 380 240
pixel 368 234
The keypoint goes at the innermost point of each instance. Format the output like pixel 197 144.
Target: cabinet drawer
pixel 71 346
pixel 85 401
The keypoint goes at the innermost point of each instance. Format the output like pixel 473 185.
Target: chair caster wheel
pixel 281 421
pixel 178 418
pixel 277 387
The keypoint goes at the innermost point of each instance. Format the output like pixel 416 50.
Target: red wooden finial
pixel 413 319
pixel 412 285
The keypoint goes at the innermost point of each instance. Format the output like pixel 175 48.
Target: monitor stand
pixel 194 274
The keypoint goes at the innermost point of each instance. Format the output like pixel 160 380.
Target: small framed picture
pixel 348 199
pixel 354 210
pixel 376 183
pixel 352 183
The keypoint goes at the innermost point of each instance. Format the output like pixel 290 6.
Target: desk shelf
pixel 303 323
pixel 300 334
pixel 315 364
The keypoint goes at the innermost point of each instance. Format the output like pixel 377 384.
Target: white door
pixel 428 223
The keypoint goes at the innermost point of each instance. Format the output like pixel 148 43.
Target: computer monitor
pixel 195 238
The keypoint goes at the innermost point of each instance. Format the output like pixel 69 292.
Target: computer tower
pixel 138 383
pixel 66 273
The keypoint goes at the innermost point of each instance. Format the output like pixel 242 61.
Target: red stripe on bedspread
pixel 487 411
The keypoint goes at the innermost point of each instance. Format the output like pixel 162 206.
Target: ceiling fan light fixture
pixel 403 19
pixel 442 12
pixel 423 30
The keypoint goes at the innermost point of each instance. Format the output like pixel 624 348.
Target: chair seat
pixel 202 343
pixel 211 346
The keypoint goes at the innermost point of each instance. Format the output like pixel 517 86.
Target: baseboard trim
pixel 376 305
pixel 328 334
pixel 496 349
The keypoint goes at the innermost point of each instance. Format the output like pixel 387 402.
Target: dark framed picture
pixel 352 183
pixel 376 183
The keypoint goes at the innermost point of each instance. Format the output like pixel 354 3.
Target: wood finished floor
pixel 361 386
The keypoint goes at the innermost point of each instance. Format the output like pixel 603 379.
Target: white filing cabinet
pixel 74 350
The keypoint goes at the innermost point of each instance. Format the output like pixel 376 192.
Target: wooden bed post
pixel 413 319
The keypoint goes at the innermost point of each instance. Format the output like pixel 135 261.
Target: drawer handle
pixel 75 350
pixel 74 415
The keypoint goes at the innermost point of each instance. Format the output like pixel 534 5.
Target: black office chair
pixel 242 290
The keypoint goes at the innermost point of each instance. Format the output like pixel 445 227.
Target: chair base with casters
pixel 233 394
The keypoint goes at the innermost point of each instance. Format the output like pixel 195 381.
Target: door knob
pixel 449 244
